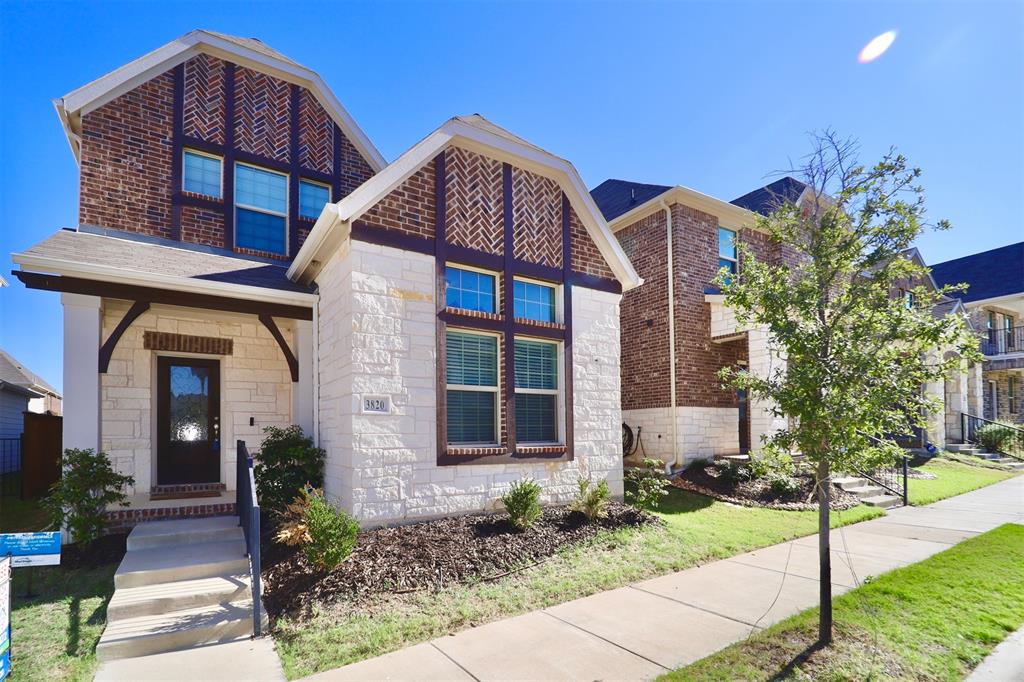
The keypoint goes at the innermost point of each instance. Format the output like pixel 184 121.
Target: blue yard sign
pixel 5 618
pixel 31 549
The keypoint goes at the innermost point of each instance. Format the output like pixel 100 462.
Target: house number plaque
pixel 376 404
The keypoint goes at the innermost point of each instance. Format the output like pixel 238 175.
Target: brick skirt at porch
pixel 121 520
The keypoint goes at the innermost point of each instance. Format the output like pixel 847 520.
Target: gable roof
pixel 615 197
pixel 476 134
pixel 16 375
pixel 766 199
pixel 989 274
pixel 248 52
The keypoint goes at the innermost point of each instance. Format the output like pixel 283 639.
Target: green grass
pixel 934 620
pixel 17 515
pixel 952 478
pixel 697 530
pixel 55 632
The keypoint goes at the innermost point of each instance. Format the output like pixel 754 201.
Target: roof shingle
pixel 766 199
pixel 616 197
pixel 989 274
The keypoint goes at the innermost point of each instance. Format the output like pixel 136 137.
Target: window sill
pixel 261 254
pixel 204 197
pixel 500 455
pixel 539 323
pixel 466 312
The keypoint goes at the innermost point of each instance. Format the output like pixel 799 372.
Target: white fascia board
pixel 729 215
pixel 1007 298
pixel 102 273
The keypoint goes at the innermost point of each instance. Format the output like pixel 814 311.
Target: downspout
pixel 672 338
pixel 316 371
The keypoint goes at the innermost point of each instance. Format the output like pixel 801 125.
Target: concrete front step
pixel 866 491
pixel 847 482
pixel 149 600
pixel 962 447
pixel 145 635
pixel 182 562
pixel 883 501
pixel 184 532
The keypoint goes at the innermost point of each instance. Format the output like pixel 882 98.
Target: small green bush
pixel 731 471
pixel 772 462
pixel 332 533
pixel 648 484
pixel 287 461
pixel 87 485
pixel 591 500
pixel 997 437
pixel 783 485
pixel 522 502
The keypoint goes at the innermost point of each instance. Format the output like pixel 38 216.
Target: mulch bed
pixel 429 555
pixel 105 550
pixel 757 493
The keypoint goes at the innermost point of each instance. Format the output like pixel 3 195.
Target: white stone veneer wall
pixel 378 336
pixel 255 382
pixel 703 431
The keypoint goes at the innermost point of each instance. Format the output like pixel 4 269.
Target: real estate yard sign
pixel 31 549
pixel 5 617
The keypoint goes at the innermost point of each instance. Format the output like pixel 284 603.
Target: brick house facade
pixel 245 258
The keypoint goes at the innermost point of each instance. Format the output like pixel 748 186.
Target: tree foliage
pixel 87 486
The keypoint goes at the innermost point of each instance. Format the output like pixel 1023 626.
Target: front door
pixel 188 421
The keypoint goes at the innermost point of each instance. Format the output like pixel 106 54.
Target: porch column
pixel 302 390
pixel 763 361
pixel 82 329
pixel 975 390
pixel 935 421
pixel 956 402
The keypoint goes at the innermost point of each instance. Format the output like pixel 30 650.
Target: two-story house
pixel 245 257
pixel 995 301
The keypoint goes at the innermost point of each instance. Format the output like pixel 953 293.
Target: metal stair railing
pixel 248 508
pixel 893 477
pixel 1011 442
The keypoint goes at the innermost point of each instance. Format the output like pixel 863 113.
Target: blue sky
pixel 715 96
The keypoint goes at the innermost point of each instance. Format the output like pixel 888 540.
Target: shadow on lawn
pixel 683 502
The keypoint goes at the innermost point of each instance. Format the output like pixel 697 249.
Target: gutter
pixel 672 337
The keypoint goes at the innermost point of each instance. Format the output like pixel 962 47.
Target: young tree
pixel 857 355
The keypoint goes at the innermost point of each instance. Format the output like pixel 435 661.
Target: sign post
pixel 5 617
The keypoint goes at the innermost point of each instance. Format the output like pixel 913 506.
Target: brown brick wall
pixel 536 218
pixel 316 135
pixel 474 201
pixel 409 208
pixel 202 226
pixel 125 161
pixel 203 104
pixel 585 256
pixel 262 114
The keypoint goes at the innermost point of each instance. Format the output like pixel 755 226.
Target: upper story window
pixel 533 301
pixel 471 377
pixel 908 298
pixel 536 391
pixel 470 289
pixel 201 173
pixel 261 209
pixel 991 320
pixel 727 250
pixel 312 198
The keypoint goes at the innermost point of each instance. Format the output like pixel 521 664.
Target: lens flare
pixel 876 47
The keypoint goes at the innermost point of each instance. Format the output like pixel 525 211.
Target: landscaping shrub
pixel 287 461
pixel 522 502
pixel 731 471
pixel 784 485
pixel 87 485
pixel 772 462
pixel 591 500
pixel 648 484
pixel 326 534
pixel 996 437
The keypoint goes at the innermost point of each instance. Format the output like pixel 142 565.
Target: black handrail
pixel 893 477
pixel 1001 341
pixel 248 508
pixel 1011 444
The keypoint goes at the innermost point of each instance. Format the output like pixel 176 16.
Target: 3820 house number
pixel 377 404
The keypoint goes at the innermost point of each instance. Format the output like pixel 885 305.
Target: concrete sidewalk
pixel 252 660
pixel 640 631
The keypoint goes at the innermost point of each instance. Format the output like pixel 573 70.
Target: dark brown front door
pixel 188 421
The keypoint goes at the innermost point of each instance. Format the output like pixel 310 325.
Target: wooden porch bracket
pixel 107 349
pixel 293 362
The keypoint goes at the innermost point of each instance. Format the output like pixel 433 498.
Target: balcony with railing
pixel 1002 341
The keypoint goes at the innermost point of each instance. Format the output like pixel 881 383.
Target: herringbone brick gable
pixel 536 218
pixel 316 135
pixel 474 201
pixel 203 114
pixel 262 111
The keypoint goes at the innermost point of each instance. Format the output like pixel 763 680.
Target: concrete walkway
pixel 1005 663
pixel 252 660
pixel 640 631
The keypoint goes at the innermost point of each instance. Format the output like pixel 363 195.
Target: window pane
pixel 726 243
pixel 534 301
pixel 189 403
pixel 729 265
pixel 536 365
pixel 469 290
pixel 261 189
pixel 201 174
pixel 535 418
pixel 312 199
pixel 471 417
pixel 471 359
pixel 259 231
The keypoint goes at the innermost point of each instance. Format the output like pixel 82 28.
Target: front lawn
pixel 909 624
pixel 952 478
pixel 697 530
pixel 55 631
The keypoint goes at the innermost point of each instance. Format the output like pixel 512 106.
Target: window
pixel 1008 331
pixel 261 209
pixel 908 298
pixel 727 250
pixel 469 289
pixel 471 375
pixel 201 174
pixel 534 301
pixel 536 391
pixel 312 198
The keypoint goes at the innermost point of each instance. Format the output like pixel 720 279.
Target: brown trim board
pixel 107 349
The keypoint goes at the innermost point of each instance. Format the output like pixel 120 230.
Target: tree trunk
pixel 824 556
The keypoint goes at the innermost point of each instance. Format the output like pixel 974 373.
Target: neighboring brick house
pixel 246 258
pixel 995 301
pixel 677 332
